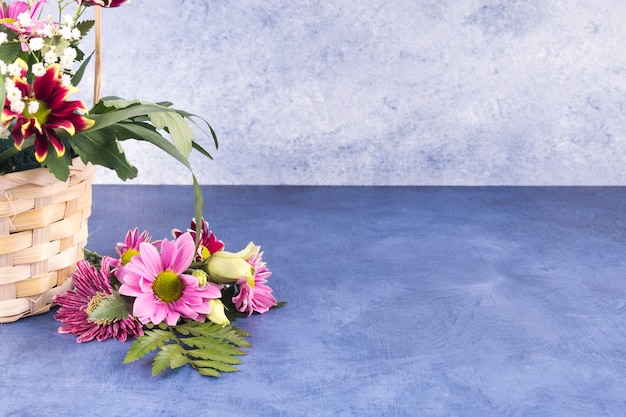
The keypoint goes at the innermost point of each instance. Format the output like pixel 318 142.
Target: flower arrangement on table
pixel 173 295
pixel 178 295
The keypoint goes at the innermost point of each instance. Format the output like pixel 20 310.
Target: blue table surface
pixel 403 301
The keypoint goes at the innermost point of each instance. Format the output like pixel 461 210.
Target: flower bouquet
pixel 172 295
pixel 175 296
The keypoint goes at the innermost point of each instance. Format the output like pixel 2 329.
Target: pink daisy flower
pixel 163 291
pixel 255 295
pixel 10 16
pixel 208 243
pixel 129 248
pixel 90 288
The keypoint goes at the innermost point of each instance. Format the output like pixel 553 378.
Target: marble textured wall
pixel 380 92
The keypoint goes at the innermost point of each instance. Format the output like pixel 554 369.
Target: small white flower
pixel 17 106
pixel 3 67
pixel 66 62
pixel 9 84
pixel 33 107
pixel 14 70
pixel 68 20
pixel 14 94
pixel 35 44
pixel 50 57
pixel 48 31
pixel 70 53
pixel 3 37
pixel 66 32
pixel 4 132
pixel 66 80
pixel 23 19
pixel 76 34
pixel 38 69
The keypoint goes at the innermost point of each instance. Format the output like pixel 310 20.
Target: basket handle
pixel 98 63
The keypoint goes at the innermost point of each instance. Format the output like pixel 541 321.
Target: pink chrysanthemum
pixel 129 248
pixel 208 243
pixel 10 16
pixel 164 291
pixel 255 295
pixel 90 288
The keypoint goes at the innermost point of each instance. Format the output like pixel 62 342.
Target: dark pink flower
pixel 208 244
pixel 255 295
pixel 102 3
pixel 129 248
pixel 90 288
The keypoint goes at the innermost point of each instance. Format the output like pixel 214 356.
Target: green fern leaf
pixel 169 356
pixel 151 340
pixel 219 366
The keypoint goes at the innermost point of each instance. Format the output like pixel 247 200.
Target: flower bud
pixel 217 314
pixel 228 267
pixel 202 276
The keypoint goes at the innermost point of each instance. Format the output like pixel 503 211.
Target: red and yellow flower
pixel 41 108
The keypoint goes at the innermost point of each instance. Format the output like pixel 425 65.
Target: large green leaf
pixel 101 147
pixel 58 166
pixel 179 130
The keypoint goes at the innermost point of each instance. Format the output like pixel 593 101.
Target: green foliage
pixel 112 308
pixel 207 347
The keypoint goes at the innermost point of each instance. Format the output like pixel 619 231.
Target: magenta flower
pixel 102 3
pixel 255 295
pixel 129 248
pixel 208 243
pixel 164 291
pixel 90 288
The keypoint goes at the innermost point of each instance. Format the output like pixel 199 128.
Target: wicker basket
pixel 43 231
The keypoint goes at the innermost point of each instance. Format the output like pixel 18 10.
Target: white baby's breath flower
pixel 66 62
pixel 14 70
pixel 9 84
pixel 33 107
pixel 50 57
pixel 14 94
pixel 35 44
pixel 24 19
pixel 68 20
pixel 3 37
pixel 4 132
pixel 66 80
pixel 17 106
pixel 76 34
pixel 70 53
pixel 66 32
pixel 48 30
pixel 38 69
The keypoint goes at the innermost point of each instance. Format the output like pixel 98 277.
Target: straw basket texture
pixel 43 231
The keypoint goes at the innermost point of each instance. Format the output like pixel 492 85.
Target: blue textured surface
pixel 402 302
pixel 378 92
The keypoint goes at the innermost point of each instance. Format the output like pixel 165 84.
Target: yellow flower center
pixel 203 252
pixel 93 304
pixel 168 286
pixel 128 255
pixel 42 112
